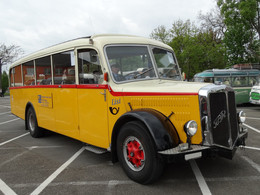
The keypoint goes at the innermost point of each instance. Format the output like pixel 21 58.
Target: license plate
pixel 193 156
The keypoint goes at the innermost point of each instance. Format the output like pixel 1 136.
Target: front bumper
pixel 199 151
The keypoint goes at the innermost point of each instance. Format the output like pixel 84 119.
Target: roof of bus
pixel 228 72
pixel 98 41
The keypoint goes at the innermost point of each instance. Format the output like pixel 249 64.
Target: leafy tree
pixel 161 33
pixel 7 55
pixel 196 49
pixel 242 20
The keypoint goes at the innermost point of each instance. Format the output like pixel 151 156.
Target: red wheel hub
pixel 135 153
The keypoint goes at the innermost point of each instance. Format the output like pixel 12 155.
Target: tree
pixel 214 21
pixel 242 19
pixel 196 48
pixel 161 34
pixel 7 55
pixel 5 82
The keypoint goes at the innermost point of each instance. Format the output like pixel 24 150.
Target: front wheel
pixel 137 153
pixel 32 124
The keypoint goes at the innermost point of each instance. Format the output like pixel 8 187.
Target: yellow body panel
pixel 92 113
pixel 89 116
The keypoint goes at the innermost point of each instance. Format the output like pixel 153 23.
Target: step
pixel 95 149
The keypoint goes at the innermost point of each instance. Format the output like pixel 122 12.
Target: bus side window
pixel 12 77
pixel 28 73
pixel 64 68
pixel 43 71
pixel 89 67
pixel 252 81
pixel 17 73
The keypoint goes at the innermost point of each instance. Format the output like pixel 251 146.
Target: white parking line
pixel 41 187
pixel 5 106
pixel 5 188
pixel 200 179
pixel 249 147
pixel 252 118
pixel 3 143
pixel 254 129
pixel 9 121
pixel 5 113
pixel 252 163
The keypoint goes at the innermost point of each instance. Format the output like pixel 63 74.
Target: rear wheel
pixel 32 124
pixel 137 153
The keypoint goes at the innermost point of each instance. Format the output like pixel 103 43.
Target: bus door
pixel 92 103
pixel 65 102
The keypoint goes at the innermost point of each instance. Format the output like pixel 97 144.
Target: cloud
pixel 34 25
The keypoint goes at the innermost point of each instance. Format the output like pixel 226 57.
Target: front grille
pixel 223 118
pixel 255 96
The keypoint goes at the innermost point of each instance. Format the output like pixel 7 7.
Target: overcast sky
pixel 36 24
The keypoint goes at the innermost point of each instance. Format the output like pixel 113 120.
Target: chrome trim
pixel 207 132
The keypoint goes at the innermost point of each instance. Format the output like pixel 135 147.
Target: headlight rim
pixel 242 116
pixel 187 127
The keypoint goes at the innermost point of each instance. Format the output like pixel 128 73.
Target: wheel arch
pixel 159 127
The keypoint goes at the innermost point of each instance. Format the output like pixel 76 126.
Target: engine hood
pixel 159 86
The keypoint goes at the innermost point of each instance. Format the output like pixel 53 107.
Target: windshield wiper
pixel 140 74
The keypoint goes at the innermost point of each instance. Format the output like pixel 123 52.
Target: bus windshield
pixel 128 63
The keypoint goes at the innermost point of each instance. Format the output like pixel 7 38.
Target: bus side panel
pixel 65 106
pixel 93 116
pixel 17 104
pixel 43 105
pixel 242 94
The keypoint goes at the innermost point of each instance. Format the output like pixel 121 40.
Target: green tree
pixel 196 49
pixel 5 82
pixel 242 21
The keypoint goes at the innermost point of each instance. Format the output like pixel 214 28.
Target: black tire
pixel 32 124
pixel 137 153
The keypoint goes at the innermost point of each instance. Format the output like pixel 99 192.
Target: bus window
pixel 43 71
pixel 18 76
pixel 222 80
pixel 12 71
pixel 28 73
pixel 208 80
pixel 89 67
pixel 64 68
pixel 239 81
pixel 253 81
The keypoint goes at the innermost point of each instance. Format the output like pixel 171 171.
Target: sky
pixel 37 24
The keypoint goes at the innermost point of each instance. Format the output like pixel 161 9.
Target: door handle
pixel 104 94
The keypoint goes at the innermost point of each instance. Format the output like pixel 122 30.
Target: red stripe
pixel 97 86
pixel 91 86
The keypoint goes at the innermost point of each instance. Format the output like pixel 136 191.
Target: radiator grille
pixel 223 118
pixel 219 119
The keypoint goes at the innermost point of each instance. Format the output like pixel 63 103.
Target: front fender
pixel 160 128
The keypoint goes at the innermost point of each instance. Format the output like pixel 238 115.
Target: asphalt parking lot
pixel 56 164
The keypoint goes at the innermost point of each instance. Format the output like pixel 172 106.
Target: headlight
pixel 242 116
pixel 191 128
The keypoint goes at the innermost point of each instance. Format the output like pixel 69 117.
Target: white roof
pixel 99 41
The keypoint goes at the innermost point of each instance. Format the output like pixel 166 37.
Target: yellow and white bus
pixel 125 94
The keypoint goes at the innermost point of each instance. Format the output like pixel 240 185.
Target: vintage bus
pixel 124 94
pixel 240 80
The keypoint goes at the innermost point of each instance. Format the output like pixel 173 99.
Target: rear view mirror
pixel 93 56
